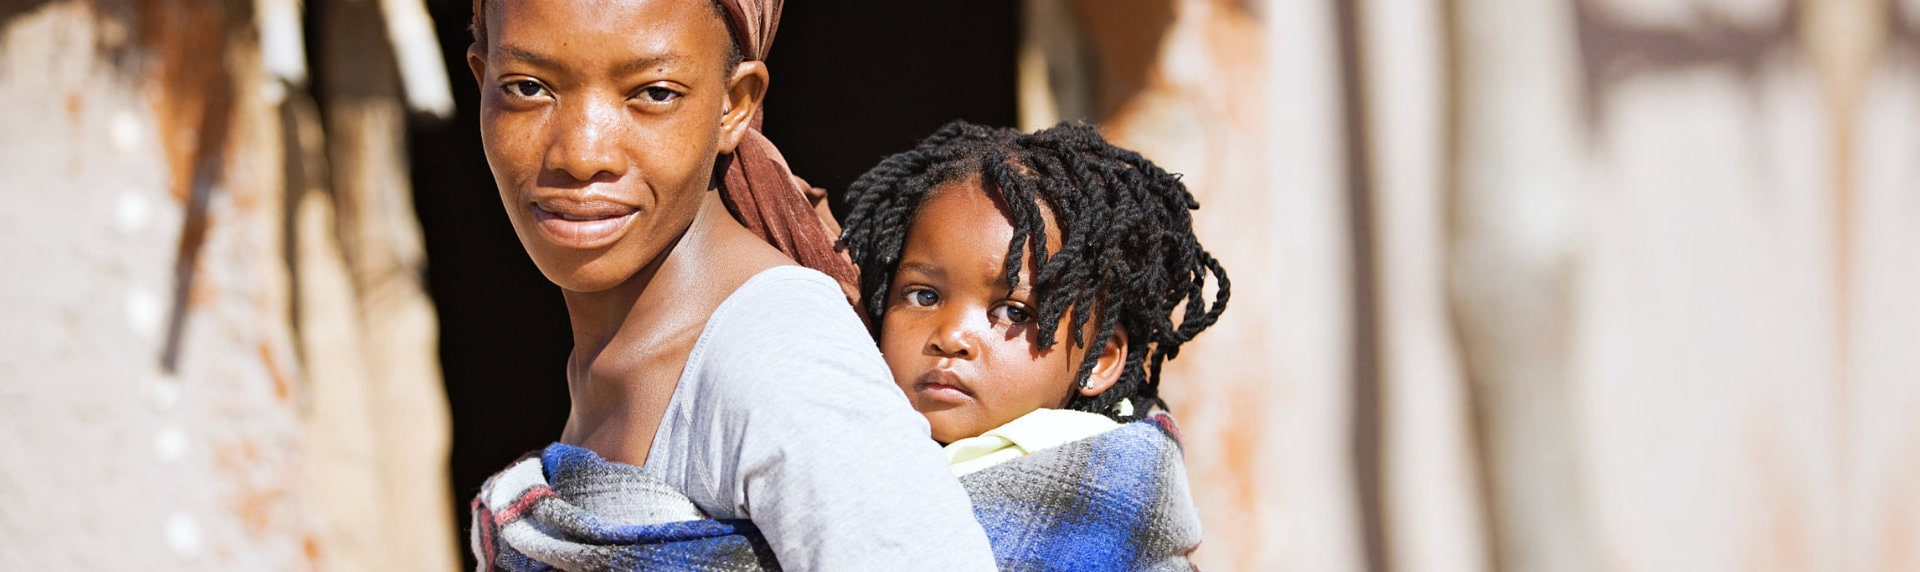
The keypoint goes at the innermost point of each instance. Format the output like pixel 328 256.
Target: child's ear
pixel 745 91
pixel 1106 370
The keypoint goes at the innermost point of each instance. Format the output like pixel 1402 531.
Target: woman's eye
pixel 658 94
pixel 922 297
pixel 526 88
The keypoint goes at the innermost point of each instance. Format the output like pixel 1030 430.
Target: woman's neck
pixel 631 342
pixel 642 303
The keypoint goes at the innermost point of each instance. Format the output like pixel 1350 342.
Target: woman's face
pixel 959 342
pixel 601 121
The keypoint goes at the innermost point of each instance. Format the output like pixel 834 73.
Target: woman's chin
pixel 586 277
pixel 585 285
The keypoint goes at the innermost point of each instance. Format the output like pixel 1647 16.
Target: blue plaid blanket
pixel 540 514
pixel 1115 501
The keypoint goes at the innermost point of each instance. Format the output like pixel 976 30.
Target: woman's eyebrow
pixel 633 65
pixel 640 64
pixel 526 56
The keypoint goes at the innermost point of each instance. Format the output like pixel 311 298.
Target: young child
pixel 1024 291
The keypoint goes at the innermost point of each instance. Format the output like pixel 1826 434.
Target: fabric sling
pixel 525 519
pixel 1116 501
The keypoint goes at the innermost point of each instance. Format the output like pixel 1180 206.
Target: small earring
pixel 1087 383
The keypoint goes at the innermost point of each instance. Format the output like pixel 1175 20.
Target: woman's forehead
pixel 649 28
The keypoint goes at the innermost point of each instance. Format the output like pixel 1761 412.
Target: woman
pixel 706 366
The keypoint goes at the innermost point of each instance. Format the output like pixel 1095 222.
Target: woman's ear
pixel 1107 369
pixel 477 61
pixel 745 91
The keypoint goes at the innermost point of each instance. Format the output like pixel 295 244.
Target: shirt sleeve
pixel 833 464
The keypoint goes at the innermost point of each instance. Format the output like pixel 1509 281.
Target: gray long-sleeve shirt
pixel 786 415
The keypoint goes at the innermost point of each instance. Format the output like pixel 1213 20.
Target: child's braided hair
pixel 1128 255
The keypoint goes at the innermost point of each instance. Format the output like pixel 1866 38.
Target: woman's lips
pixel 942 386
pixel 582 223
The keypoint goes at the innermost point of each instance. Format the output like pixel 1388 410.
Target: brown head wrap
pixel 761 191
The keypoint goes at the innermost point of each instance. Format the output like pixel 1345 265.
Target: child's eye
pixel 922 297
pixel 1014 314
pixel 526 88
pixel 657 94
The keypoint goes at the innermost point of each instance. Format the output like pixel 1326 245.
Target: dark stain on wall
pixel 1903 34
pixel 1613 51
pixel 1367 410
pixel 182 47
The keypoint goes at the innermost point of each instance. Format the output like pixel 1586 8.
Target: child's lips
pixel 943 386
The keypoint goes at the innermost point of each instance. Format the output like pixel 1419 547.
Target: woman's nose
pixel 585 143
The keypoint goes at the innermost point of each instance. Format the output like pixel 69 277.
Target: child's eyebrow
pixel 923 268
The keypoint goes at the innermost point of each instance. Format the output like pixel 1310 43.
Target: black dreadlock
pixel 1128 256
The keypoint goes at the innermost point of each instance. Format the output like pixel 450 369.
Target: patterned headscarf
pixel 760 190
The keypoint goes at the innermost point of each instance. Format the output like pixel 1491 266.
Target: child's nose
pixel 952 339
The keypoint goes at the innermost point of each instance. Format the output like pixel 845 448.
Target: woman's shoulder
pixel 786 320
pixel 787 281
pixel 783 297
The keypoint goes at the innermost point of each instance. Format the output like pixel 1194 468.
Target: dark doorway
pixel 852 82
pixel 855 81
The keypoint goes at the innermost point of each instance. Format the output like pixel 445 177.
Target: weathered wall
pixel 1520 285
pixel 152 469
pixel 1706 225
pixel 215 355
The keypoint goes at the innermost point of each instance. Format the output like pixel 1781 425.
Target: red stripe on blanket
pixel 523 504
pixel 483 518
pixel 1165 422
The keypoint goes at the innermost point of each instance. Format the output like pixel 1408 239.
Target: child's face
pixel 959 343
pixel 602 121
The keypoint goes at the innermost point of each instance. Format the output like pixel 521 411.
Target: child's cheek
pixel 899 360
pixel 947 428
